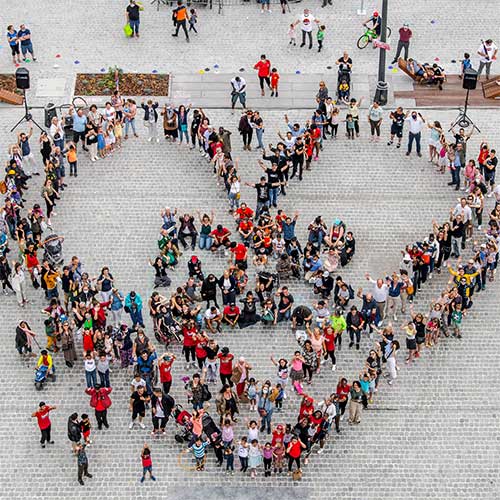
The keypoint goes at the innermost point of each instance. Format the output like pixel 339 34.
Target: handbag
pixel 262 412
pixel 127 30
pixel 205 393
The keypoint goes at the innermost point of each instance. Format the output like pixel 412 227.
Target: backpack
pixel 482 187
pixel 206 395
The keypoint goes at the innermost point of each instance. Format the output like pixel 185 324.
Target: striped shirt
pixel 199 451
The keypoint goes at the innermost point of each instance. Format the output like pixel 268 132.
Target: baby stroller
pixel 53 250
pixel 344 84
pixel 167 330
pixel 210 429
pixel 183 424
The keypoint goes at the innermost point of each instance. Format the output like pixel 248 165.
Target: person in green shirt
pixel 320 36
pixel 339 325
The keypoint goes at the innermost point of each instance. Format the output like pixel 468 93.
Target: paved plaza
pixel 435 434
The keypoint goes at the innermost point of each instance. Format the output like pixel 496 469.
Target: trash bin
pixel 50 112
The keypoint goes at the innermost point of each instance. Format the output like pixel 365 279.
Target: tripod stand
pixel 28 117
pixel 463 119
pixel 158 2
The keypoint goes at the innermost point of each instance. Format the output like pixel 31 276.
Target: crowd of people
pixel 92 326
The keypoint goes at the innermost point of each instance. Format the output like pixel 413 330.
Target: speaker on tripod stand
pixel 469 82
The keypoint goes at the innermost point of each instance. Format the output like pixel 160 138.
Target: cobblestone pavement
pixel 91 33
pixel 434 434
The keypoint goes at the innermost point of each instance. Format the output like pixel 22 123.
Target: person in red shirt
pixel 231 314
pixel 200 350
pixel 100 401
pixel 264 70
pixel 44 424
pixel 343 389
pixel 189 343
pixel 243 212
pixel 240 252
pixel 147 463
pixel 275 78
pixel 165 362
pixel 220 237
pixel 306 407
pixel 294 451
pixel 329 345
pixel 278 435
pixel 226 366
pixel 246 230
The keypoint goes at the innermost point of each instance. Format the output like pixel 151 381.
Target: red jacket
pixel 99 400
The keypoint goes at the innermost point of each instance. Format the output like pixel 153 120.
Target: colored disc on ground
pixel 77 62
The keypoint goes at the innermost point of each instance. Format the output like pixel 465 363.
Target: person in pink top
pixel 297 372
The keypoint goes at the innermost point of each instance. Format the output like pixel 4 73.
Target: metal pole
pixel 382 91
pixel 362 10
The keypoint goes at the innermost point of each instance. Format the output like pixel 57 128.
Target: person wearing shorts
pixel 24 35
pixel 14 44
pixel 138 401
pixel 398 119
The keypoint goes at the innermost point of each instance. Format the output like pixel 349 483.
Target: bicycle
pixel 368 36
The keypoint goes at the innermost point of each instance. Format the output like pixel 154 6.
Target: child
pixel 280 393
pixel 278 456
pixel 193 19
pixel 118 130
pixel 320 35
pixel 101 143
pixel 229 457
pixel 267 454
pixel 252 393
pixel 274 82
pixel 292 35
pixel 456 320
pixel 227 433
pixel 243 454
pixel 198 450
pixel 253 430
pixel 466 64
pixel 72 160
pixel 110 139
pixel 349 124
pixel 254 457
pixel 335 121
pixel 85 427
pixel 147 463
pixel 343 90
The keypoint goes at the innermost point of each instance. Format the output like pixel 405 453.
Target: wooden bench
pixel 403 66
pixel 491 89
pixel 11 97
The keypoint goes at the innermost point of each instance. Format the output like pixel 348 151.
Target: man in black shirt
pixel 398 119
pixel 457 233
pixel 285 304
pixel 262 188
pixel 137 404
pixel 298 157
pixel 132 16
pixel 490 167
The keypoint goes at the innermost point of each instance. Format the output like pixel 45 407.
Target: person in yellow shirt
pixel 45 359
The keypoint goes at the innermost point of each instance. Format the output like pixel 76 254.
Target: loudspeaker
pixel 470 79
pixel 22 79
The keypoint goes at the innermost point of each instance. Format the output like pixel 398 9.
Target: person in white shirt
pixel 238 91
pixel 487 54
pixel 306 25
pixel 415 124
pixel 380 294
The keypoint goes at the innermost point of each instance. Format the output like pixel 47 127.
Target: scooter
pixel 41 377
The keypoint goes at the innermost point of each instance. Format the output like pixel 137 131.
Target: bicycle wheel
pixel 363 41
pixel 80 102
